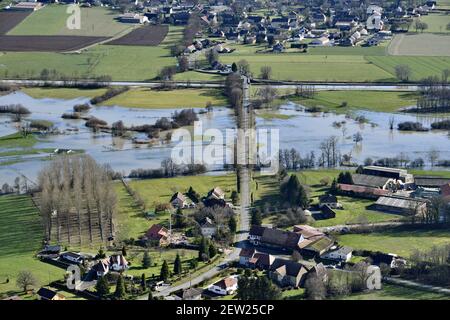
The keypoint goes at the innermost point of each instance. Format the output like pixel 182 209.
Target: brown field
pixel 424 44
pixel 144 36
pixel 46 43
pixel 9 20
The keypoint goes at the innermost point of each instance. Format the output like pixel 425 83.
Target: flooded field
pixel 298 129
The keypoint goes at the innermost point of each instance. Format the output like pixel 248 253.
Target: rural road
pixel 212 84
pixel 416 285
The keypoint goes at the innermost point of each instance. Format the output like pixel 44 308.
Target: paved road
pixel 220 84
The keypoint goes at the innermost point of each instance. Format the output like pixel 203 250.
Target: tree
pixel 266 72
pixel 403 72
pixel 257 288
pixel 212 250
pixel 212 56
pixel 143 282
pixel 146 260
pixel 120 292
pixel 315 288
pixel 25 279
pixel 294 193
pixel 232 224
pixel 124 251
pixel 234 67
pixel 267 94
pixel 203 252
pixel 244 67
pixel 102 286
pixel 150 295
pixel 433 156
pixel 235 197
pixel 334 188
pixel 177 265
pixel 167 72
pixel 165 273
pixel 256 218
pixel 183 64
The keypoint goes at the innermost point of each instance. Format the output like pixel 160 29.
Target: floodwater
pixel 303 131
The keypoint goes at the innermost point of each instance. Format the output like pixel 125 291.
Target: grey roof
pixel 369 180
pixel 386 169
pixel 427 181
pixel 396 202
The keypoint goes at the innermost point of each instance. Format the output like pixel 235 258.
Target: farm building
pixel 26 6
pixel 361 191
pixel 373 181
pixel 342 254
pixel 401 205
pixel 158 234
pixel 394 173
pixel 133 18
pixel 329 200
pixel 48 294
pixel 188 294
pixel 322 41
pixel 430 181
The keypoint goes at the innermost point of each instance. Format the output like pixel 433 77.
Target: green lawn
pixel 21 235
pixel 180 98
pixel 437 22
pixel 399 241
pixel 368 100
pixel 51 20
pixel 393 292
pixel 62 93
pixel 120 62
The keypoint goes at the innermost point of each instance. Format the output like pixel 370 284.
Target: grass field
pixel 51 20
pixel 421 67
pixel 120 62
pixel 180 98
pixel 62 93
pixel 21 235
pixel 368 100
pixel 17 140
pixel 437 22
pixel 399 241
pixel 393 292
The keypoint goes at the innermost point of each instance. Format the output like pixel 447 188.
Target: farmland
pixel 62 93
pixel 21 234
pixel 368 100
pixel 437 22
pixel 9 20
pixel 180 98
pixel 430 45
pixel 46 43
pixel 393 292
pixel 51 21
pixel 117 61
pixel 144 36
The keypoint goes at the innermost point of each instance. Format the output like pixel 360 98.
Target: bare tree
pixel 266 72
pixel 25 279
pixel 433 156
pixel 315 288
pixel 403 72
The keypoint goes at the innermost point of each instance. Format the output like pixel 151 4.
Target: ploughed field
pixel 144 36
pixel 9 20
pixel 46 43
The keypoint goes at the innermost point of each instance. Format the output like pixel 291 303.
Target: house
pixel 47 294
pixel 312 241
pixel 278 22
pixel 391 259
pixel 361 191
pixel 26 6
pixel 208 228
pixel 216 193
pixel 178 200
pixel 341 254
pixel 225 286
pixel 101 268
pixel 394 173
pixel 73 257
pixel 189 294
pixel 330 201
pixel 158 234
pixel 321 41
pixel 245 255
pixel 318 17
pixel 401 205
pixel 261 261
pixel 288 273
pixel 133 18
pixel 372 8
pixel 180 18
pixel 118 262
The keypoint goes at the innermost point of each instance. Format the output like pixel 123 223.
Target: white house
pixel 225 286
pixel 208 228
pixel 118 262
pixel 374 22
pixel 245 255
pixel 178 200
pixel 342 254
